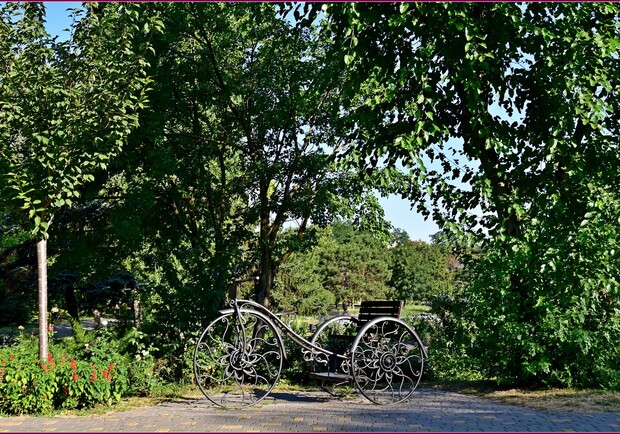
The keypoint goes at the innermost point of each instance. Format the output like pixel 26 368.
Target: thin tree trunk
pixel 265 282
pixel 42 271
pixel 72 306
pixel 136 311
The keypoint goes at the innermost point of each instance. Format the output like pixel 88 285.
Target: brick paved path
pixel 428 410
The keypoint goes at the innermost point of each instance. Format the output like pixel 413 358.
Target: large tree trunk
pixel 265 281
pixel 72 305
pixel 42 271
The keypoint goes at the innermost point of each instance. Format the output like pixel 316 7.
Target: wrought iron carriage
pixel 239 356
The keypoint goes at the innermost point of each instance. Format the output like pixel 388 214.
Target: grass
pixel 551 400
pixel 413 308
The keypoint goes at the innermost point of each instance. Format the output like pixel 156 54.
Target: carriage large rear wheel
pixel 238 359
pixel 387 359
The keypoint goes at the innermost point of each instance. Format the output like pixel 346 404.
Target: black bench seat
pixel 369 310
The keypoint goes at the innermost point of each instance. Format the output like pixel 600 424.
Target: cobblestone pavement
pixel 428 410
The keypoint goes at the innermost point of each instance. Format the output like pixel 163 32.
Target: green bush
pixel 295 369
pixel 526 318
pixel 141 375
pixel 30 385
pixel 98 368
pixel 14 309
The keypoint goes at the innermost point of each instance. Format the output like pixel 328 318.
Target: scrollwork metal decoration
pixel 238 359
pixel 387 360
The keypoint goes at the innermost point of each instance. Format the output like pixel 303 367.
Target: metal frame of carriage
pixel 239 356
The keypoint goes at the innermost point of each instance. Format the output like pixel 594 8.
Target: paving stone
pixel 428 410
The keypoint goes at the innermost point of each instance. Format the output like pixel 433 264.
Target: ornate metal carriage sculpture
pixel 239 356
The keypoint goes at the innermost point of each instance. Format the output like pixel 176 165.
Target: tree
pixel 299 282
pixel 419 271
pixel 65 111
pixel 355 265
pixel 346 265
pixel 239 144
pixel 508 115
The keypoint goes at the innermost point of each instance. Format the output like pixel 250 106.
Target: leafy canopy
pixel 65 107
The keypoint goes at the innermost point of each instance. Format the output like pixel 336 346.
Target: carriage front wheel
pixel 387 360
pixel 238 359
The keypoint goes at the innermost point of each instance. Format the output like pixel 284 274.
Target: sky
pixel 397 211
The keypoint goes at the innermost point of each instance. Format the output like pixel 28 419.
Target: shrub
pixel 30 385
pixel 527 319
pixel 295 368
pixel 97 367
pixel 14 309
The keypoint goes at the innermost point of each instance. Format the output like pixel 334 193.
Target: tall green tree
pixel 355 265
pixel 65 111
pixel 299 282
pixel 240 143
pixel 420 271
pixel 508 114
pixel 346 265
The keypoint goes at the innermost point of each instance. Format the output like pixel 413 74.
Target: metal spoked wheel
pixel 238 359
pixel 335 335
pixel 387 359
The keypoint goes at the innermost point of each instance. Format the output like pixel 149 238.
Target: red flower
pixel 44 367
pixel 111 367
pixel 73 365
pixel 106 374
pixel 66 389
pixel 11 357
pixel 75 376
pixel 93 376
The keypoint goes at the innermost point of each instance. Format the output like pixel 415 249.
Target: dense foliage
pixel 348 266
pixel 66 110
pixel 509 116
pixel 421 271
pixel 242 146
pixel 92 369
pixel 267 131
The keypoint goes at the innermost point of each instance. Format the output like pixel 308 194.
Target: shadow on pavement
pixel 297 397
